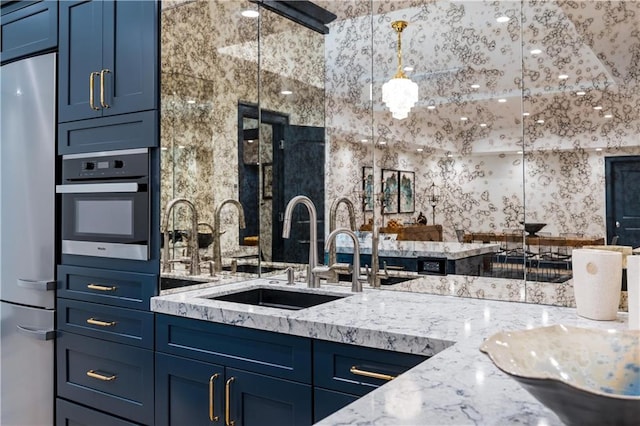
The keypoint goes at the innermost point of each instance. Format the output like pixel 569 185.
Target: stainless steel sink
pixel 277 298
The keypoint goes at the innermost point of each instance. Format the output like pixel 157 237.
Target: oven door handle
pixel 93 188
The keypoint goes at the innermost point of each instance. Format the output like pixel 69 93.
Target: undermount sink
pixel 251 269
pixel 275 298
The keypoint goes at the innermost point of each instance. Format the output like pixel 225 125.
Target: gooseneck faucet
pixel 356 284
pixel 332 222
pixel 217 250
pixel 194 267
pixel 313 281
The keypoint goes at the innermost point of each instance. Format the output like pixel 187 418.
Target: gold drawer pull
pixel 101 287
pixel 227 398
pixel 91 89
pixel 355 370
pixel 94 321
pixel 93 374
pixel 102 100
pixel 212 392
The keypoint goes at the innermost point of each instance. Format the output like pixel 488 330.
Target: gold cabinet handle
pixel 355 370
pixel 94 321
pixel 91 88
pixel 227 403
pixel 93 374
pixel 102 100
pixel 101 287
pixel 212 392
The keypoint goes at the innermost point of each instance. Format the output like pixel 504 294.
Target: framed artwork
pixel 389 191
pixel 406 192
pixel 267 181
pixel 367 189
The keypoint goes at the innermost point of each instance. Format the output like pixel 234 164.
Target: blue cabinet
pixel 28 27
pixel 108 61
pixel 224 372
pixel 68 413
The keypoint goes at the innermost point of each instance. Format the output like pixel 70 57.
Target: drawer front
pixel 126 131
pixel 70 414
pixel 111 377
pixel 118 325
pixel 28 30
pixel 124 289
pixel 351 369
pixel 327 402
pixel 264 352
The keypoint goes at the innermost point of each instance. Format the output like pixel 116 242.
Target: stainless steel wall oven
pixel 105 204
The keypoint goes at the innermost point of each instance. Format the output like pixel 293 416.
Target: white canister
pixel 633 291
pixel 597 279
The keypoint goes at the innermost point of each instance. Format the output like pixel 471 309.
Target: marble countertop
pixel 459 385
pixel 412 249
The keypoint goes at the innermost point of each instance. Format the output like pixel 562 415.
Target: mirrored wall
pixel 525 110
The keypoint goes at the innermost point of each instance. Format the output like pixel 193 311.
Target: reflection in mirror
pixel 206 70
pixel 581 96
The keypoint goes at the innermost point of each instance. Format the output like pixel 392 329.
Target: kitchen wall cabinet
pixel 28 27
pixel 108 58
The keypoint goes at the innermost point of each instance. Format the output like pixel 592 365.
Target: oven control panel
pixel 105 166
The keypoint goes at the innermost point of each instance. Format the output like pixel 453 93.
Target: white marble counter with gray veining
pixel 411 249
pixel 459 385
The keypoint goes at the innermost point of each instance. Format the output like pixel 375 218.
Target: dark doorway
pixel 623 199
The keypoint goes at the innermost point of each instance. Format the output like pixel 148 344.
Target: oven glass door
pixel 109 224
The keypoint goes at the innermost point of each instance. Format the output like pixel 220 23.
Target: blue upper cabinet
pixel 108 60
pixel 27 28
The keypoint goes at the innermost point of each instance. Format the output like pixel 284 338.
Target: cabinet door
pixel 26 29
pixel 80 55
pixel 130 53
pixel 257 400
pixel 188 392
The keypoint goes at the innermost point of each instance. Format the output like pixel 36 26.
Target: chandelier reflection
pixel 400 93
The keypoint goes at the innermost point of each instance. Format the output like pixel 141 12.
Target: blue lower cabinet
pixel 256 400
pixel 68 413
pixel 190 392
pixel 107 376
pixel 326 402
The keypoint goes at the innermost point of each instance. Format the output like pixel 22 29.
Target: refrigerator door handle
pixel 36 334
pixel 37 285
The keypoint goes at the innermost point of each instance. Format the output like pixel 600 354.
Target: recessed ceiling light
pixel 463 118
pixel 598 149
pixel 525 114
pixel 364 140
pixel 383 143
pixel 164 148
pixel 581 93
pixel 250 13
pixel 536 51
pixel 449 155
pixel 408 69
pixel 286 92
pixel 181 146
pixel 431 107
pixel 608 116
pixel 563 76
pixel 475 86
pixel 597 107
pixel 483 124
pixel 502 100
pixel 250 140
pixel 419 149
pixel 191 101
pixel 502 19
pixel 540 121
pixel 519 152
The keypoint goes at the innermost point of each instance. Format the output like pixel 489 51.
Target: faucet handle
pixel 322 271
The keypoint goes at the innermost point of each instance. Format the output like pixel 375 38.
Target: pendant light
pixel 400 93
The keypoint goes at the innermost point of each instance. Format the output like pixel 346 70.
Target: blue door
pixel 623 200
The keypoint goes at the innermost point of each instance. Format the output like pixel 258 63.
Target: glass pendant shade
pixel 400 94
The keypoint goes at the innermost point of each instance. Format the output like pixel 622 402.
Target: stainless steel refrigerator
pixel 27 240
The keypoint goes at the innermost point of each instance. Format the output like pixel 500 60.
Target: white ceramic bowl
pixel 586 376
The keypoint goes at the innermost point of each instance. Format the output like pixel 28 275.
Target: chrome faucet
pixel 217 250
pixel 313 280
pixel 194 267
pixel 356 284
pixel 332 225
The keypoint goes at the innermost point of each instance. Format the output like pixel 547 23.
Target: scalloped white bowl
pixel 586 376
